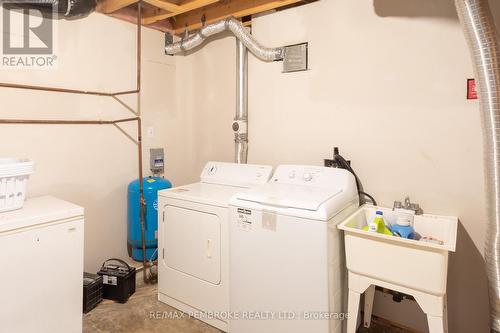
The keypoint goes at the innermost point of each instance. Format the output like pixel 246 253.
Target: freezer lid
pixel 289 196
pixel 38 211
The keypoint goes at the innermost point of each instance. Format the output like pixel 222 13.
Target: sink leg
pixel 369 297
pixel 445 320
pixel 436 324
pixel 436 309
pixel 353 311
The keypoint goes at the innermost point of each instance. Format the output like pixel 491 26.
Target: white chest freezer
pixel 41 255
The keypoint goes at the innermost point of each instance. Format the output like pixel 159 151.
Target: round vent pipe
pixel 480 32
pixel 237 29
pixel 68 9
pixel 240 124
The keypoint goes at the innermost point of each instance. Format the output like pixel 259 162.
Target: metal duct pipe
pixel 477 22
pixel 238 30
pixel 240 124
pixel 68 9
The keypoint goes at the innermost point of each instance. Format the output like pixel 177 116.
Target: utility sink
pixel 408 263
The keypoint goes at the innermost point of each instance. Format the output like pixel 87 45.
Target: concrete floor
pixel 134 317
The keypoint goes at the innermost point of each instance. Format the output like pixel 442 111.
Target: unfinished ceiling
pixel 177 16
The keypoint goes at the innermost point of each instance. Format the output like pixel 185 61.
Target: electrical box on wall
pixel 471 89
pixel 156 160
pixel 296 58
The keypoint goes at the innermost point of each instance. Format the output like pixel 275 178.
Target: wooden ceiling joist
pixel 218 11
pixel 169 6
pixel 178 15
pixel 167 10
pixel 110 6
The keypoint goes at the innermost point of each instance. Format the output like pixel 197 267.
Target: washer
pixel 286 254
pixel 193 240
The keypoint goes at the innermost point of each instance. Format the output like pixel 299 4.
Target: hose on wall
pixel 480 32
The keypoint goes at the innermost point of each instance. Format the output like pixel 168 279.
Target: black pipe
pixel 67 9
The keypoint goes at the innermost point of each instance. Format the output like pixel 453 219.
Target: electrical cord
pixel 369 197
pixel 153 276
pixel 345 165
pixel 152 256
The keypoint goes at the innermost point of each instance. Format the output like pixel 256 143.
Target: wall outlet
pixel 151 131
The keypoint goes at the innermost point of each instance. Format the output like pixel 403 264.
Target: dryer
pixel 193 240
pixel 286 254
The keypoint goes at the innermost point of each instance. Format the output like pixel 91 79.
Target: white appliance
pixel 193 240
pixel 286 255
pixel 41 255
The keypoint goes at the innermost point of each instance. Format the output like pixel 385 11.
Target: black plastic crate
pixel 118 280
pixel 92 291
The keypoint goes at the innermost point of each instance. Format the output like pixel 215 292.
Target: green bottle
pixel 378 225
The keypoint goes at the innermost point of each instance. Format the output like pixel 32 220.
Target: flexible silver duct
pixel 240 124
pixel 481 35
pixel 238 30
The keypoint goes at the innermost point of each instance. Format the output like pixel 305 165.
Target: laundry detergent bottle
pixel 378 225
pixel 403 227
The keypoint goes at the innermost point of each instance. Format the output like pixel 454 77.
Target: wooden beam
pixel 215 12
pixel 171 11
pixel 129 14
pixel 110 6
pixel 171 7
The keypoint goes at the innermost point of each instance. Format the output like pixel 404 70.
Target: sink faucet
pixel 408 205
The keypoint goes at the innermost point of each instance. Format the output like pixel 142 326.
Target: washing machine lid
pixel 289 196
pixel 302 191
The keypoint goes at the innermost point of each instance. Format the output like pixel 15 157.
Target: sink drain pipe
pixel 480 32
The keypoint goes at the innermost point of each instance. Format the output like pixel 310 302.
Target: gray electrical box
pixel 296 58
pixel 156 160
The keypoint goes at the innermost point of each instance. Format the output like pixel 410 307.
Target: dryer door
pixel 193 243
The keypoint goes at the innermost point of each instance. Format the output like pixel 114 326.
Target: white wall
pixel 92 165
pixel 206 93
pixel 387 84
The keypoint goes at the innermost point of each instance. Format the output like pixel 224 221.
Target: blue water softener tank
pixel 134 242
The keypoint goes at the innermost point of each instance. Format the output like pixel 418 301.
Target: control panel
pixel 156 160
pixel 311 176
pixel 235 174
